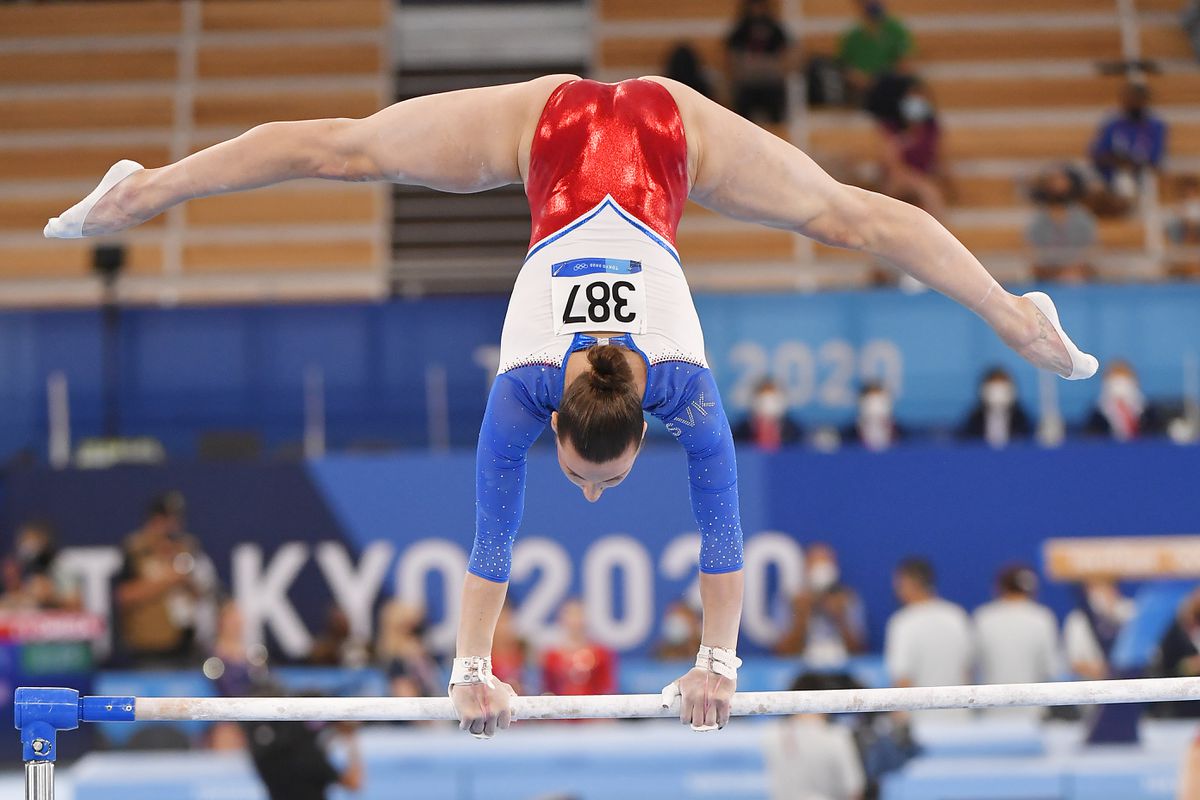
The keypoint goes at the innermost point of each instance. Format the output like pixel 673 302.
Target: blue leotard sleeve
pixel 518 410
pixel 685 398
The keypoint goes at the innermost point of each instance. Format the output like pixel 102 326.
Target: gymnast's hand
pixel 483 703
pixel 706 690
pixel 704 699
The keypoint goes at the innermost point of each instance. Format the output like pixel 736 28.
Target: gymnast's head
pixel 599 424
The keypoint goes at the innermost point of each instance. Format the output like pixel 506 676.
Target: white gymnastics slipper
pixel 70 224
pixel 1083 365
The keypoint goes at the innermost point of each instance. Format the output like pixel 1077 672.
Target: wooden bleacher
pixel 88 83
pixel 1040 103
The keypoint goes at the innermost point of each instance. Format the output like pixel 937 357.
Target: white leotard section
pixel 671 330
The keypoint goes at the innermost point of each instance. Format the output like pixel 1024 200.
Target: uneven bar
pixel 840 701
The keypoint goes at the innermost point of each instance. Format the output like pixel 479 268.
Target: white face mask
pixel 676 629
pixel 1122 389
pixel 915 108
pixel 1101 601
pixel 1191 210
pixel 822 575
pixel 770 405
pixel 998 394
pixel 875 407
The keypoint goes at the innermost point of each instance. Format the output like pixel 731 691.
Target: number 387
pixel 601 303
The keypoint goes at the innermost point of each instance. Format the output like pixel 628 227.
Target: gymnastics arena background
pixel 282 390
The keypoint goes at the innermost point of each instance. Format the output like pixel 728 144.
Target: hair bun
pixel 610 370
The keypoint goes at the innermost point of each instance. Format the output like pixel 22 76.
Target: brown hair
pixel 601 412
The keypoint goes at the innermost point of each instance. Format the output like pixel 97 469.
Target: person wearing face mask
pixel 912 137
pixel 1129 142
pixel 1178 654
pixel 1184 228
pixel 1016 638
pixel 1063 231
pixel 31 579
pixel 876 46
pixel 828 623
pixel 1091 630
pixel 874 427
pixel 1122 412
pixel 757 49
pixel 998 417
pixel 768 426
pixel 680 633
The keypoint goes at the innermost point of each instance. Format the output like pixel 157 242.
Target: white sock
pixel 1083 365
pixel 70 224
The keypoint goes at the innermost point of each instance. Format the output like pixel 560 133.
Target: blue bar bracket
pixel 40 714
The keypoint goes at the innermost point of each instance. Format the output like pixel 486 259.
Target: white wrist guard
pixel 472 669
pixel 719 661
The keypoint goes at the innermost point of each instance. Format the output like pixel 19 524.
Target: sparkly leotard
pixel 607 183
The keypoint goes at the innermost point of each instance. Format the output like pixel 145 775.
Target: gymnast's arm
pixel 512 422
pixel 701 427
pixel 463 141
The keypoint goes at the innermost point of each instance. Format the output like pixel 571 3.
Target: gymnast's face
pixel 591 477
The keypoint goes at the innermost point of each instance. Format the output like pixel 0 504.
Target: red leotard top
pixel 594 139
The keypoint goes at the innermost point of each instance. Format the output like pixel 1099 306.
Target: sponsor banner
pixel 290 541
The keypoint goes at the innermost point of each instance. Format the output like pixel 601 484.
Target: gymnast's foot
pixel 102 211
pixel 1043 342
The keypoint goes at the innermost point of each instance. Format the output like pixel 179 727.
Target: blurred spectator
pixel 1016 638
pixel 236 671
pixel 828 621
pixel 577 665
pixel 336 645
pixel 1190 18
pixel 31 580
pixel 681 629
pixel 928 641
pixel 1091 630
pixel 757 49
pixel 685 65
pixel 401 652
pixel 810 757
pixel 1122 411
pixel 912 137
pixel 1063 231
pixel 874 427
pixel 166 592
pixel 292 762
pixel 1178 653
pixel 998 417
pixel 1185 227
pixel 1129 142
pixel 510 653
pixel 875 46
pixel 768 426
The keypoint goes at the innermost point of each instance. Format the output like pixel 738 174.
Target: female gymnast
pixel 601 326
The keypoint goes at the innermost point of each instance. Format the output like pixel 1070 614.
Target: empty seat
pixel 246 109
pixel 21 69
pixel 258 60
pixel 283 256
pixel 284 15
pixel 327 204
pixel 70 259
pixel 89 19
pixel 151 110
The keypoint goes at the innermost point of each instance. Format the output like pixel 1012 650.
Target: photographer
pixel 166 590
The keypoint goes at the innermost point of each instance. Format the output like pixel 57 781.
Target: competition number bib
pixel 598 294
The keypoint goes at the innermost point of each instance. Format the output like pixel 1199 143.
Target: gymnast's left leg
pixel 747 173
